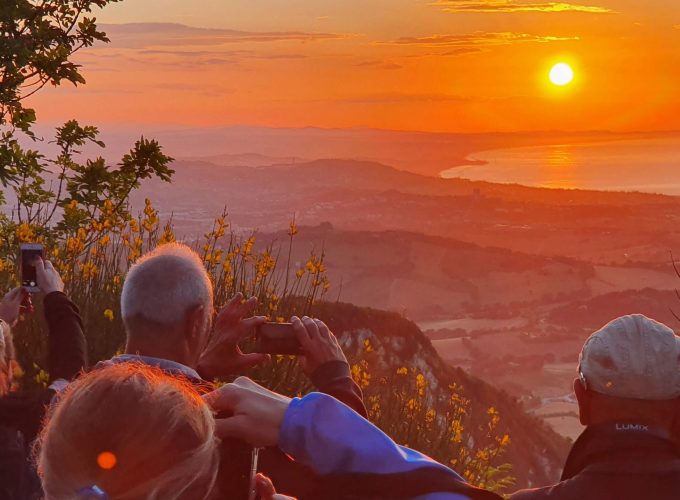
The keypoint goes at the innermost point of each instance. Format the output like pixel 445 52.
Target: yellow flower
pixel 402 371
pixel 293 229
pixel 429 416
pixel 108 314
pixel 25 233
pixel 248 245
pixel 367 346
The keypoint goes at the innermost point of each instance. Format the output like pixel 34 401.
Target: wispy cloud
pixel 146 35
pixel 469 42
pixel 512 6
pixel 391 98
pixel 379 64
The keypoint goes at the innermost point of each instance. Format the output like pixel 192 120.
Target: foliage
pixel 93 262
pixel 38 39
pixel 402 404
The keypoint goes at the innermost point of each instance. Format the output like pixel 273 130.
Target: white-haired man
pixel 628 392
pixel 167 309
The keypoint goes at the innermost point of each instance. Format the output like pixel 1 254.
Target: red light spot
pixel 106 460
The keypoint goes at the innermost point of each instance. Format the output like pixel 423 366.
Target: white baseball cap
pixel 632 357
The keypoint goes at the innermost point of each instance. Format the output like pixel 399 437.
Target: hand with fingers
pixel 222 356
pixel 319 345
pixel 11 305
pixel 47 277
pixel 256 413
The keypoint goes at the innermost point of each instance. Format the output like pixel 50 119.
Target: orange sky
pixel 449 65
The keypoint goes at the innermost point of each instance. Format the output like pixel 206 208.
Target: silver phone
pixel 29 279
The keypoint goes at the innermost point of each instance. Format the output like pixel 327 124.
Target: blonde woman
pixel 129 431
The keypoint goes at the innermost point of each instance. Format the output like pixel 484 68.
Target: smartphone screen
pixel 277 338
pixel 29 251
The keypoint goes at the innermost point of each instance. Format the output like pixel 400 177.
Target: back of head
pixel 631 368
pixel 161 288
pixel 131 431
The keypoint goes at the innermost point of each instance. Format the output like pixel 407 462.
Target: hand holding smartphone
pixel 29 252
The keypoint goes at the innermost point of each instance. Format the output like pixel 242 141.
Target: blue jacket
pixel 333 440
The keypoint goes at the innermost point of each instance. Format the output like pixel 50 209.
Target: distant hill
pixel 536 452
pixel 432 277
pixel 594 313
pixel 604 228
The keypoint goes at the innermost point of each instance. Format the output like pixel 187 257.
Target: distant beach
pixel 646 165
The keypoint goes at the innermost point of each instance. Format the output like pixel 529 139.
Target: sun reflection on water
pixel 558 168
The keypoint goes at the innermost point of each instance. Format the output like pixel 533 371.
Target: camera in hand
pixel 29 252
pixel 277 338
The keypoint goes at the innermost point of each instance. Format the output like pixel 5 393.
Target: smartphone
pixel 29 251
pixel 252 493
pixel 277 338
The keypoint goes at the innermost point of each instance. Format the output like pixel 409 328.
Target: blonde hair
pixel 155 433
pixel 7 356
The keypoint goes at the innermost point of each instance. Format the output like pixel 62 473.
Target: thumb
pixel 40 266
pixel 247 361
pixel 15 295
pixel 264 487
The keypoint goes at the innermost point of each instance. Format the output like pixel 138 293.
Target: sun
pixel 561 74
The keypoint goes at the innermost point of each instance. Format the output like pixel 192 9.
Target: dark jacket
pixel 66 357
pixel 618 461
pixel 290 477
pixel 21 414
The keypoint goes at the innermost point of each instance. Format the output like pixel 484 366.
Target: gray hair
pixel 163 285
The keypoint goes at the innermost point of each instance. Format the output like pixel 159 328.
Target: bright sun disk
pixel 561 74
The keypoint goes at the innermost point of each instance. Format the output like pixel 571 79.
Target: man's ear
pixel 583 398
pixel 195 323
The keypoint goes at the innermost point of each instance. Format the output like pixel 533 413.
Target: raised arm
pixel 325 363
pixel 67 347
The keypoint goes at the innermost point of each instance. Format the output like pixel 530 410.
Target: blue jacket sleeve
pixel 329 437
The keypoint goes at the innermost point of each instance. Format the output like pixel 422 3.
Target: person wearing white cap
pixel 628 392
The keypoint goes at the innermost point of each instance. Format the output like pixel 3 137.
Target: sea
pixel 645 165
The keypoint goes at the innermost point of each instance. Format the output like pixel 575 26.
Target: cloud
pixel 391 98
pixel 379 64
pixel 460 51
pixel 471 41
pixel 512 6
pixel 147 35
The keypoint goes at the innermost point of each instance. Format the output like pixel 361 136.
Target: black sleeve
pixel 25 411
pixel 335 379
pixel 67 348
